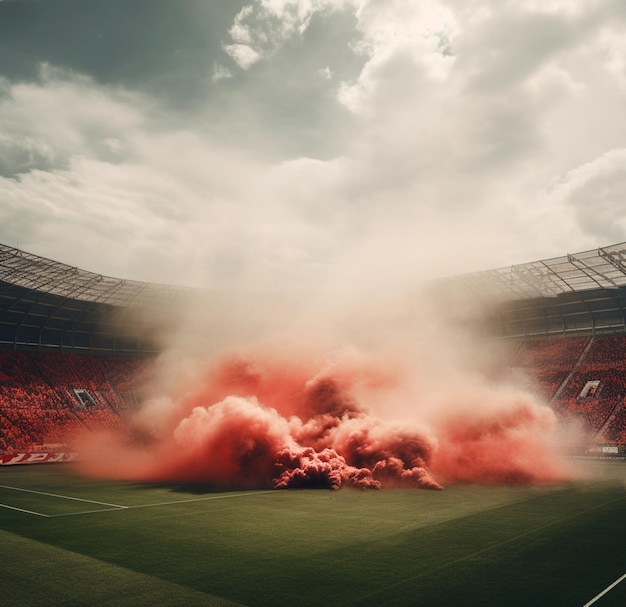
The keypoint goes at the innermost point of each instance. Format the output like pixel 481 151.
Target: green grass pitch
pixel 67 540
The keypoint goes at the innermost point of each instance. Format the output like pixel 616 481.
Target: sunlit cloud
pixel 243 55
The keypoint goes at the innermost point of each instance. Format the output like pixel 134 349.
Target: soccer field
pixel 66 540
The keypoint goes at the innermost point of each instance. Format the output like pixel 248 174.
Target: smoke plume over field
pixel 371 409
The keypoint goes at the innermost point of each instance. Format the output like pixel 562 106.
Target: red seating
pixel 546 363
pixel 552 354
pixel 39 404
pixel 561 370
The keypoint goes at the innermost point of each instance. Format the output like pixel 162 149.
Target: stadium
pixel 77 349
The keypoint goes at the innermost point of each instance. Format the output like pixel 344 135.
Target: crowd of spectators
pixel 126 375
pixel 592 413
pixel 582 378
pixel 49 398
pixel 551 354
pixel 607 350
pixel 546 363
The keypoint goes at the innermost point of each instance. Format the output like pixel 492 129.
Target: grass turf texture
pixel 466 545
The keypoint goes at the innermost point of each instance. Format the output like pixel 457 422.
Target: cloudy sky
pixel 269 142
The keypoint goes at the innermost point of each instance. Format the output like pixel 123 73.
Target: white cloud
pixel 243 55
pixel 240 32
pixel 175 206
pixel 611 48
pixel 559 7
pixel 326 73
pixel 65 113
pixel 265 25
pixel 220 73
pixel 423 31
pixel 594 194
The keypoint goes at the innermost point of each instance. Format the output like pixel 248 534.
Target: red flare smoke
pixel 509 447
pixel 270 420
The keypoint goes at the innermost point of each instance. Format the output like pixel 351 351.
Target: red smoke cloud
pixel 283 418
pixel 510 445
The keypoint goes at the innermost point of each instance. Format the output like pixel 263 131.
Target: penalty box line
pixel 204 499
pixel 65 497
pixel 116 506
pixel 170 503
pixel 24 510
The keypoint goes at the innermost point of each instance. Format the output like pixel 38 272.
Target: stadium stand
pixel 583 378
pixel 46 398
pixel 548 362
pixel 76 347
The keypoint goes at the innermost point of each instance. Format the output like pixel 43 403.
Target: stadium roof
pixel 46 304
pixel 46 276
pixel 576 294
pixel 50 306
pixel 602 268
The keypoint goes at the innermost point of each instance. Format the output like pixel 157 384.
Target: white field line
pixel 88 511
pixel 24 510
pixel 116 506
pixel 203 499
pixel 607 589
pixel 171 503
pixel 65 497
